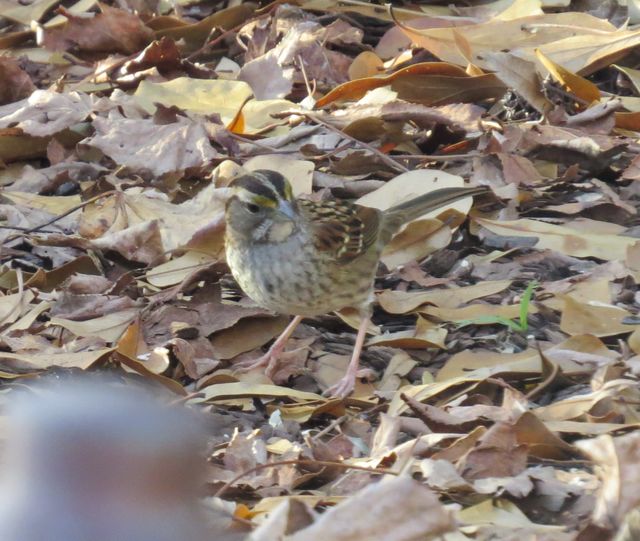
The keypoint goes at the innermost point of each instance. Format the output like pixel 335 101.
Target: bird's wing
pixel 342 229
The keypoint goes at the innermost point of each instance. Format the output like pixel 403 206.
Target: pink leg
pixel 345 386
pixel 270 357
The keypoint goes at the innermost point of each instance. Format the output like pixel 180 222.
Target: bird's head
pixel 262 207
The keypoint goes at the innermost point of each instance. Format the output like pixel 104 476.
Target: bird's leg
pixel 345 386
pixel 270 357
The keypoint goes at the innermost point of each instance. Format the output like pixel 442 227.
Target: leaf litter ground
pixel 503 359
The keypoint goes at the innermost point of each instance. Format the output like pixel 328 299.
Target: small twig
pixel 331 463
pixel 63 215
pixel 252 142
pixel 336 422
pixel 211 44
pixel 566 94
pixel 310 91
pixel 261 14
pixel 437 157
pixel 330 153
pixel 383 157
pixel 18 228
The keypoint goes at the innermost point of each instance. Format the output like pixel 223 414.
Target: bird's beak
pixel 286 208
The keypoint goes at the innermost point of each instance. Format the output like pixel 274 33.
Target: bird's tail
pixel 414 208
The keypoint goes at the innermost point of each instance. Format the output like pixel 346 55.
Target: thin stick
pixel 18 228
pixel 386 159
pixel 63 215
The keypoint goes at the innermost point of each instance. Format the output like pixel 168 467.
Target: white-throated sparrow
pixel 298 257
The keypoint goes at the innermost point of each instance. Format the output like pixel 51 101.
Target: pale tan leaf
pixel 563 239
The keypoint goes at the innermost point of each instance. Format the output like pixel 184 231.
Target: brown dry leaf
pixel 634 341
pixel 399 366
pixel 247 335
pixel 178 269
pixel 597 319
pixel 441 90
pixel 581 87
pixel 25 13
pixel 109 328
pixel 46 112
pixel 223 391
pixel 54 205
pixel 498 453
pixel 354 90
pixel 502 519
pixel 424 335
pixel 199 96
pixel 14 306
pixel 195 34
pixel 520 34
pixel 521 75
pixel 539 439
pixel 258 117
pixel 633 257
pixel 401 302
pixel 302 42
pixel 416 241
pixel 407 511
pixel 112 30
pixel 610 398
pixel 362 120
pixel 430 390
pixel 37 361
pixel 197 222
pixel 153 148
pixel 480 313
pixel 574 355
pixel 16 83
pixel 563 239
pixel 585 54
pixel 617 462
pixel 132 344
pixel 141 242
pixel 428 84
pixel 366 64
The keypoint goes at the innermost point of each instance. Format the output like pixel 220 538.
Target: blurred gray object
pixel 97 460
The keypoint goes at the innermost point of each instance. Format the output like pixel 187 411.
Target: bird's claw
pixel 342 388
pixel 267 360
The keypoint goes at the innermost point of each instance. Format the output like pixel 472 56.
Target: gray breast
pixel 276 277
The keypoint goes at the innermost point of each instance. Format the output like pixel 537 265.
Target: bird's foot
pixel 247 366
pixel 344 387
pixel 270 358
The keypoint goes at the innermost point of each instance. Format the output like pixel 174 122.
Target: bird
pixel 303 258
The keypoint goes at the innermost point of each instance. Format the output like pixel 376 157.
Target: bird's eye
pixel 253 208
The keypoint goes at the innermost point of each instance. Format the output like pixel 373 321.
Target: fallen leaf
pixel 17 83
pixel 46 112
pixel 152 148
pixel 617 462
pixel 204 97
pixel 416 512
pixel 112 30
pixel 598 320
pixel 563 239
pixel 401 302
